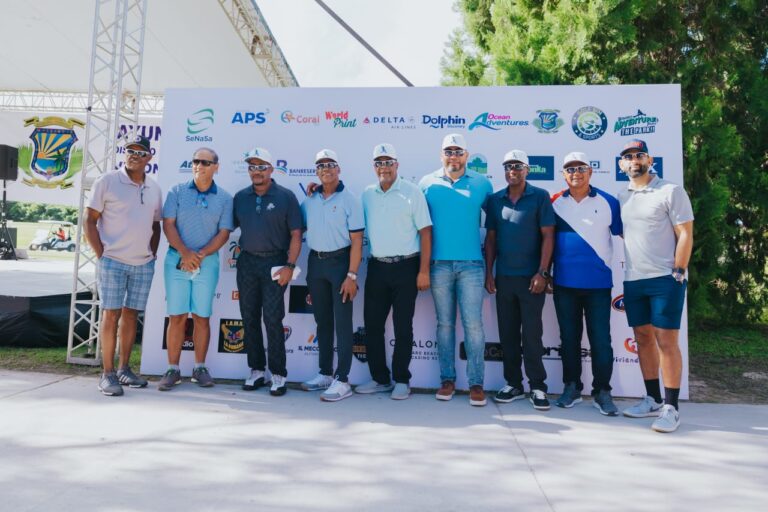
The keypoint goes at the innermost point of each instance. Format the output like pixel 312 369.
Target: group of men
pixel 424 236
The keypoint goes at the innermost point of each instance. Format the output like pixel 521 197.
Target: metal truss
pixel 66 102
pixel 114 93
pixel 249 24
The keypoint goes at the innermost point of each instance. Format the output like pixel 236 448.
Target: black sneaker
pixel 539 400
pixel 508 394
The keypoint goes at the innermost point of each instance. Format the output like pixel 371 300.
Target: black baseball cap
pixel 637 144
pixel 138 140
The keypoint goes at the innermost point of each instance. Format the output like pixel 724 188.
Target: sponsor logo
pixel 287 331
pixel 553 353
pixel 185 166
pixel 594 164
pixel 199 122
pixel 235 294
pixel 589 123
pixel 478 163
pixel 233 250
pixel 492 352
pixel 250 118
pixel 358 345
pixel 299 300
pixel 231 336
pixel 50 161
pixel 636 124
pixel 288 117
pixel 618 303
pixel 495 121
pixel 548 121
pixel 657 167
pixel 395 122
pixel 630 345
pixel 310 347
pixel 187 343
pixel 440 121
pixel 281 166
pixel 341 119
pixel 542 168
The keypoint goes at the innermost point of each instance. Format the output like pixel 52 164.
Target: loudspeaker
pixel 9 163
pixel 12 233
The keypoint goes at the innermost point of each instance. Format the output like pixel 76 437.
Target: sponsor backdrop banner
pixel 546 122
pixel 51 153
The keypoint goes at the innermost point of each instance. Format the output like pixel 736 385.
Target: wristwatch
pixel 291 265
pixel 679 274
pixel 352 275
pixel 544 273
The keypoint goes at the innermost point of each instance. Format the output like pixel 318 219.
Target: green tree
pixel 716 50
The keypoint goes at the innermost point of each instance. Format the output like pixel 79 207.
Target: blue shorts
pixel 190 292
pixel 657 301
pixel 124 286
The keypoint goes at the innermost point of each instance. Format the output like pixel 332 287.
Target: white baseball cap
pixel 324 154
pixel 384 149
pixel 575 156
pixel 516 155
pixel 260 153
pixel 454 140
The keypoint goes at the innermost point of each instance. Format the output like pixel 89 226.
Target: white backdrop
pixel 546 122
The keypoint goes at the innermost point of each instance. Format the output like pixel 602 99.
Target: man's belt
pixel 268 254
pixel 330 254
pixel 396 259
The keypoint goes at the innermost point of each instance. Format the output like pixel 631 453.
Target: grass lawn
pixel 26 232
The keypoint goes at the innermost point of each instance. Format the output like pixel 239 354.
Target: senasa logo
pixel 589 123
pixel 250 118
pixel 541 168
pixel 636 124
pixel 440 121
pixel 200 121
pixel 618 303
pixel 495 121
pixel 657 167
pixel 630 345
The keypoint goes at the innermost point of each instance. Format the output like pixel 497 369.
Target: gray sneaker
pixel 401 391
pixel 372 386
pixel 570 397
pixel 202 377
pixel 171 378
pixel 604 403
pixel 644 408
pixel 319 381
pixel 109 385
pixel 668 420
pixel 338 390
pixel 130 379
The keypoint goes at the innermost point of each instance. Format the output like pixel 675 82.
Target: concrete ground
pixel 64 446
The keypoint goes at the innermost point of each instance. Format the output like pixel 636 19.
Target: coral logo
pixel 631 345
pixel 200 121
pixel 618 303
pixel 495 121
pixel 589 123
pixel 288 117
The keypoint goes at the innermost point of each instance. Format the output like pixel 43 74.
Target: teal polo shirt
pixel 455 210
pixel 393 218
pixel 329 221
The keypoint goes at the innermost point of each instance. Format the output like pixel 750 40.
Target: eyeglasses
pixel 204 163
pixel 326 165
pixel 384 163
pixel 259 168
pixel 580 169
pixel 258 205
pixel 453 152
pixel 202 200
pixel 515 167
pixel 139 153
pixel 637 156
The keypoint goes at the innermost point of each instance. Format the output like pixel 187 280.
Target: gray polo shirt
pixel 266 221
pixel 128 211
pixel 649 215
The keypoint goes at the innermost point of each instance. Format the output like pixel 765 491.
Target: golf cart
pixel 58 237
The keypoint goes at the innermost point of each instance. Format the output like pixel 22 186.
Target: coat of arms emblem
pixel 50 161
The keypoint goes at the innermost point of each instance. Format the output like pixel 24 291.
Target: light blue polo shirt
pixel 329 221
pixel 393 218
pixel 199 215
pixel 455 210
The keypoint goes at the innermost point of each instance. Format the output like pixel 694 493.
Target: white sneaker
pixel 255 380
pixel 337 391
pixel 278 386
pixel 401 391
pixel 644 408
pixel 668 420
pixel 319 381
pixel 373 387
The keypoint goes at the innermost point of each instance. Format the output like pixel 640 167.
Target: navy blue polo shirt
pixel 266 221
pixel 518 229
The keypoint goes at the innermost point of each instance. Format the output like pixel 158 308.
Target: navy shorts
pixel 657 301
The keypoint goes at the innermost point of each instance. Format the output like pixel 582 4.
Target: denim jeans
pixel 593 305
pixel 462 282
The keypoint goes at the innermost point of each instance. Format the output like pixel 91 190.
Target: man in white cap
pixel 270 224
pixel 400 233
pixel 456 196
pixel 334 222
pixel 520 226
pixel 587 220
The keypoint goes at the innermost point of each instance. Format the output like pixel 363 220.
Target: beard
pixel 641 171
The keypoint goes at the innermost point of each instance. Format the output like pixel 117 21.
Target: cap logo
pixel 383 149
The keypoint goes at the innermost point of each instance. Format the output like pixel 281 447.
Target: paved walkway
pixel 63 446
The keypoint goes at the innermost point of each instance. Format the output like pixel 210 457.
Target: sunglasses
pixel 515 167
pixel 454 152
pixel 326 165
pixel 580 169
pixel 201 199
pixel 204 163
pixel 384 163
pixel 137 152
pixel 634 156
pixel 259 168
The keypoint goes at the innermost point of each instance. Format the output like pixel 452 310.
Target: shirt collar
pixel 269 190
pixel 567 192
pixel 440 173
pixel 395 186
pixel 211 190
pixel 124 178
pixel 651 184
